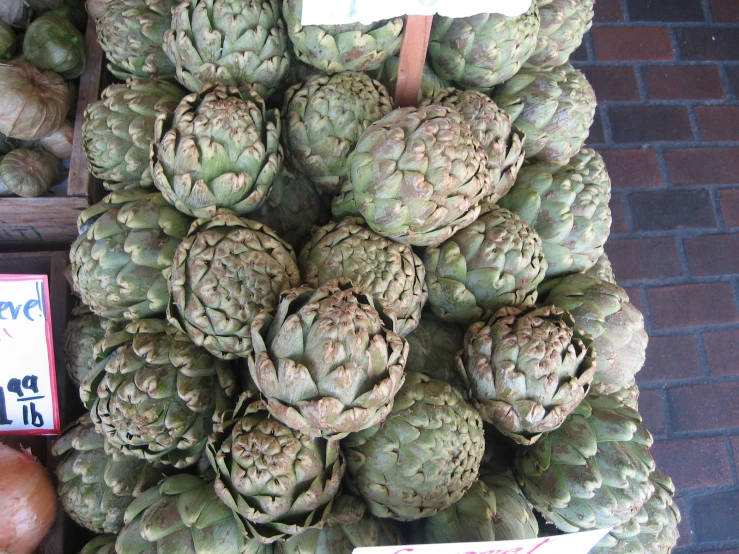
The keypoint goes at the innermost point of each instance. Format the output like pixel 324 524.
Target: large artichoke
pixel 80 337
pixel 423 458
pixel 387 74
pixel 324 118
pixel 328 362
pixel 496 261
pixel 563 26
pixel 126 242
pixel 119 130
pixel 526 370
pixel 482 50
pixel 336 48
pixel 52 42
pixel 392 273
pixel 568 207
pixel 232 42
pixel 224 274
pixel 432 349
pixel 220 150
pixel 417 176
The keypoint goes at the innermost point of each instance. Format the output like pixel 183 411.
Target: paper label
pixel 337 12
pixel 28 400
pixel 573 543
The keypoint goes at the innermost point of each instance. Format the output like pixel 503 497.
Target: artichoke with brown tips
pixel 564 23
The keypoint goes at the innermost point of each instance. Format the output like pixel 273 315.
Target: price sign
pixel 28 401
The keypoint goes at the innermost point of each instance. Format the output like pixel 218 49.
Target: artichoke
pixel 563 26
pixel 96 483
pixel 387 74
pixel 324 118
pixel 482 50
pixel 126 242
pixel 80 337
pixel 336 48
pixel 628 395
pixel 568 207
pixel 59 144
pixel 328 362
pixel 602 270
pixel 555 109
pixel 220 150
pixel 592 472
pixel 30 173
pixel 417 176
pixel 432 349
pixel 281 481
pixel 119 130
pixel 392 273
pixel 232 42
pixel 496 261
pixel 224 274
pixel 7 41
pixel 526 370
pixel 52 42
pixel 102 544
pixel 16 13
pixel 423 458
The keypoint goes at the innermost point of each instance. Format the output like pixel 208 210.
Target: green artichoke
pixel 232 42
pixel 555 109
pixel 628 395
pixel 324 118
pixel 7 41
pixel 97 483
pixel 417 176
pixel 336 48
pixel 482 50
pixel 224 274
pixel 30 173
pixel 281 481
pixel 328 362
pixel 563 26
pixel 423 458
pixel 54 43
pixel 102 544
pixel 526 370
pixel 119 130
pixel 568 207
pixel 156 396
pixel 80 337
pixel 220 150
pixel 592 472
pixel 432 349
pixel 387 74
pixel 126 242
pixel 392 273
pixel 496 261
pixel 602 270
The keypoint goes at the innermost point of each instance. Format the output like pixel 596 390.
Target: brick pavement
pixel 666 73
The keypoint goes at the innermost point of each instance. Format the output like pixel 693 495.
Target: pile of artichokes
pixel 314 322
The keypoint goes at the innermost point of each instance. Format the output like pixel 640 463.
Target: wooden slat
pixel 47 222
pixel 412 59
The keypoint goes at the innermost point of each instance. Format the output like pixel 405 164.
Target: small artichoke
pixel 7 41
pixel 387 74
pixel 496 261
pixel 80 337
pixel 324 118
pixel 392 273
pixel 432 349
pixel 328 362
pixel 102 544
pixel 220 150
pixel 30 173
pixel 423 458
pixel 52 42
pixel 232 42
pixel 417 176
pixel 526 370
pixel 563 26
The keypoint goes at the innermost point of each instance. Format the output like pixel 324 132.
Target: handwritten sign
pixel 28 401
pixel 337 12
pixel 574 543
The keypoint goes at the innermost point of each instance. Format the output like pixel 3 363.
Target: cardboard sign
pixel 574 543
pixel 28 400
pixel 337 12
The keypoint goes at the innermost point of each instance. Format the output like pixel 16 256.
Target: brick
pixel 665 10
pixel 686 535
pixel 714 516
pixel 618 225
pixel 608 10
pixel 735 449
pixel 725 11
pixel 683 82
pixel 597 133
pixel 650 408
pixel 713 254
pixel 641 259
pixel 635 297
pixel 581 54
pixel 694 463
pixel 682 306
pixel 718 122
pixel 733 74
pixel 632 44
pixel 689 166
pixel 633 168
pixel 729 202
pixel 704 407
pixel 650 123
pixel 708 44
pixel 722 350
pixel 613 84
pixel 663 210
pixel 670 358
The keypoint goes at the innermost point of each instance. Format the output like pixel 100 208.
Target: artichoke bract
pixel 423 458
pixel 221 149
pixel 53 43
pixel 7 41
pixel 30 173
pixel 432 349
pixel 602 270
pixel 232 42
pixel 225 272
pixel 324 118
pixel 336 48
pixel 563 26
pixel 526 370
pixel 417 176
pixel 482 50
pixel 568 207
pixel 102 544
pixel 496 261
pixel 126 242
pixel 387 74
pixel 281 481
pixel 119 130
pixel 390 272
pixel 80 337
